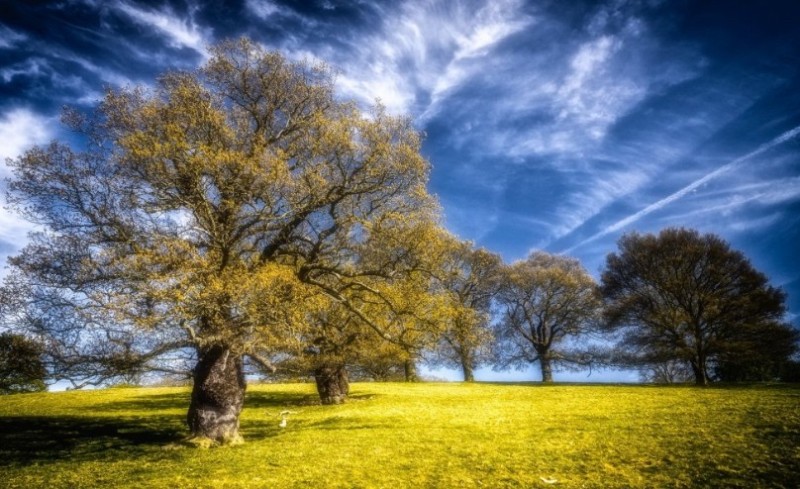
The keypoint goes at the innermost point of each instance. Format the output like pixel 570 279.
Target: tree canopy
pixel 546 300
pixel 685 296
pixel 470 277
pixel 215 211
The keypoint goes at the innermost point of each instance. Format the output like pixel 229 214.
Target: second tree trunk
pixel 332 383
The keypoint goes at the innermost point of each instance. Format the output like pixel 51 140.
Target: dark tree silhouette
pixel 687 297
pixel 21 367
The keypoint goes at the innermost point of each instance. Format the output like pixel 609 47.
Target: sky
pixel 550 125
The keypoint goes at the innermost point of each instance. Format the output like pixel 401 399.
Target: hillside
pixel 412 435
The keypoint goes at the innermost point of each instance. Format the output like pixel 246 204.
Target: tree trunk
pixel 332 383
pixel 217 396
pixel 410 369
pixel 466 368
pixel 700 375
pixel 547 367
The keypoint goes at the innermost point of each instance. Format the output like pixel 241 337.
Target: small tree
pixel 546 300
pixel 687 297
pixel 21 367
pixel 666 372
pixel 470 278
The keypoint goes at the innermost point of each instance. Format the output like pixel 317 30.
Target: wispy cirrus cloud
pixel 552 108
pixel 693 186
pixel 181 32
pixel 10 38
pixel 424 50
pixel 263 9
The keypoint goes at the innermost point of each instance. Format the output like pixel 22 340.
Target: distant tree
pixel 201 214
pixel 791 371
pixel 666 372
pixel 757 352
pixel 410 310
pixel 688 297
pixel 546 300
pixel 21 368
pixel 470 278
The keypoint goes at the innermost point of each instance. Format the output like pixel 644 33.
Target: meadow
pixel 397 435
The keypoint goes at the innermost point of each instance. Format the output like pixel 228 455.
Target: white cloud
pixel 29 67
pixel 756 223
pixel 20 129
pixel 263 9
pixel 426 48
pixel 591 95
pixel 181 32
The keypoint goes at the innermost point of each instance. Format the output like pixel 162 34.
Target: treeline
pixel 242 216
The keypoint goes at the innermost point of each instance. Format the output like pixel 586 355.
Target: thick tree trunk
pixel 217 396
pixel 466 368
pixel 332 383
pixel 547 367
pixel 410 370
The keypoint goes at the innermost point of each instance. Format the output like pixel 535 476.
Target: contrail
pixel 786 136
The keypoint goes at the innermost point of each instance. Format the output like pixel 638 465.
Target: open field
pixel 413 435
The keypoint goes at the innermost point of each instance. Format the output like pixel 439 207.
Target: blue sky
pixel 550 125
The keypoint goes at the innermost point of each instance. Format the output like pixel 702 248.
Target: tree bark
pixel 547 367
pixel 410 370
pixel 700 375
pixel 466 368
pixel 333 385
pixel 217 396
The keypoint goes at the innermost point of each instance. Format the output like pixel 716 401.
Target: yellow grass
pixel 413 435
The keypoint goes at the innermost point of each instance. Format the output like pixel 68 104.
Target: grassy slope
pixel 413 435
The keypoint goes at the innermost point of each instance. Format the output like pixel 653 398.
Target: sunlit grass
pixel 413 435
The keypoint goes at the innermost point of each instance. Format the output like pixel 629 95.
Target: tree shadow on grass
pixel 135 429
pixel 262 429
pixel 258 400
pixel 146 403
pixel 275 400
pixel 39 439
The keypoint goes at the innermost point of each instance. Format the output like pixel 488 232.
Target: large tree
pixel 546 301
pixel 218 208
pixel 683 296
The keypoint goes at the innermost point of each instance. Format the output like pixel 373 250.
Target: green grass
pixel 413 435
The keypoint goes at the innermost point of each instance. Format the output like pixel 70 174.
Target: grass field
pixel 413 435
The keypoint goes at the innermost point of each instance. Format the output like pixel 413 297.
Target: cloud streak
pixel 660 204
pixel 182 33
